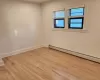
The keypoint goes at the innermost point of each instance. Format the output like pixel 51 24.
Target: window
pixel 59 23
pixel 59 19
pixel 76 18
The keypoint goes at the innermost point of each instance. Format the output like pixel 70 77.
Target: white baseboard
pixel 16 52
pixel 95 59
pixel 20 51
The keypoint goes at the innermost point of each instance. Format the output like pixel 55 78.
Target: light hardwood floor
pixel 48 64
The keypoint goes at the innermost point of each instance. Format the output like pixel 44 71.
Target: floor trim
pixel 88 57
pixel 19 51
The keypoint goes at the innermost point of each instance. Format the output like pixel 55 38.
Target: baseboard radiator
pixel 88 57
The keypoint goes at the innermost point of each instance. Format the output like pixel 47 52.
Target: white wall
pixel 86 42
pixel 20 26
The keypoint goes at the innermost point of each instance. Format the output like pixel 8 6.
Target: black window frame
pixel 69 23
pixel 75 17
pixel 55 26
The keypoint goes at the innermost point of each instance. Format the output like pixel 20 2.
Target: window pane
pixel 76 26
pixel 76 23
pixel 59 14
pixel 60 23
pixel 77 12
pixel 76 20
pixel 74 10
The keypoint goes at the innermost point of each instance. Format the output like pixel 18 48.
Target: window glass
pixel 76 23
pixel 77 12
pixel 59 23
pixel 59 14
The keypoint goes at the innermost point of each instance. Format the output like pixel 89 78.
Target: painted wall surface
pixel 20 26
pixel 87 42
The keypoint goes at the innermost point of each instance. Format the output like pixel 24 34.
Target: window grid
pixel 59 16
pixel 71 17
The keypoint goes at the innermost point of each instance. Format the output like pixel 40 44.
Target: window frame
pixel 59 18
pixel 69 23
pixel 76 17
pixel 55 26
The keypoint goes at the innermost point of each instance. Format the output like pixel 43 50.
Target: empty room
pixel 49 40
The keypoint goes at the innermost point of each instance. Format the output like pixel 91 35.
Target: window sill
pixel 58 29
pixel 71 30
pixel 77 30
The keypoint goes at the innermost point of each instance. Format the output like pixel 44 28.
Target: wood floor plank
pixel 48 64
